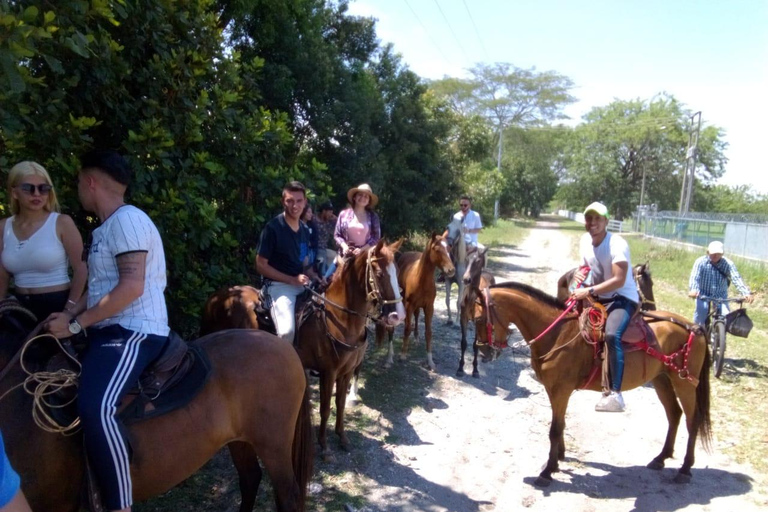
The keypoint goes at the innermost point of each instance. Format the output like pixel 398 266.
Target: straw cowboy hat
pixel 366 189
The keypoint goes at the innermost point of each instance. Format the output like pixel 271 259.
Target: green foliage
pixel 152 79
pixel 620 143
pixel 730 199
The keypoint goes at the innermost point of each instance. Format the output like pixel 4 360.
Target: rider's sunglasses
pixel 464 205
pixel 29 188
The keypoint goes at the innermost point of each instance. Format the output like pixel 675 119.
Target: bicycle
pixel 715 330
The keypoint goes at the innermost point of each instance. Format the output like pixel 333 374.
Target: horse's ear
pixel 379 245
pixel 395 247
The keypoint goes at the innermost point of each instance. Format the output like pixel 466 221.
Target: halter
pixel 372 293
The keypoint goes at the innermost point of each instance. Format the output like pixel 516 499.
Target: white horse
pixel 459 257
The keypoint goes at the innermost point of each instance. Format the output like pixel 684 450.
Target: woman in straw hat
pixel 358 227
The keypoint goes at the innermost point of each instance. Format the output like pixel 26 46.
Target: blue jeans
pixel 9 480
pixel 702 310
pixel 620 311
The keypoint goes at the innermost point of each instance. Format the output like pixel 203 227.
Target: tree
pixel 619 144
pixel 509 98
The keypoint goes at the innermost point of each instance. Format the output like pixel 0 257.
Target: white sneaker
pixel 612 402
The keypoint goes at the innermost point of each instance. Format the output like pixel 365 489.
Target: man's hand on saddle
pixel 58 324
pixel 302 280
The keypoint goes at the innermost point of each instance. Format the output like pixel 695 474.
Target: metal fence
pixel 746 239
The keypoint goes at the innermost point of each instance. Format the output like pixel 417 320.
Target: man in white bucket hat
pixel 710 276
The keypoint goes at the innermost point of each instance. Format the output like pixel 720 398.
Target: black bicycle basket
pixel 738 323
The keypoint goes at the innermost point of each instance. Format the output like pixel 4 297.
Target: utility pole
pixel 498 166
pixel 690 163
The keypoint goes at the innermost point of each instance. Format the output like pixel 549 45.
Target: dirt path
pixel 478 444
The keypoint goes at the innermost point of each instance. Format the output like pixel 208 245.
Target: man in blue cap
pixel 609 282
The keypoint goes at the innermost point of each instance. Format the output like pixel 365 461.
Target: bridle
pixel 643 298
pixel 373 293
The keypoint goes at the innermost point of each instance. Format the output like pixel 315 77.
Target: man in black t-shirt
pixel 281 260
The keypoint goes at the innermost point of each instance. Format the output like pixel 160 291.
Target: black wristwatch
pixel 75 327
pixel 592 291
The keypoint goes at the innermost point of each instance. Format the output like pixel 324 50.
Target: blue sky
pixel 710 54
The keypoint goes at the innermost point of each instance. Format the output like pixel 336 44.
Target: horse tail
pixel 303 449
pixel 702 418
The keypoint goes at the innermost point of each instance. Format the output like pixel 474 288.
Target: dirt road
pixel 478 444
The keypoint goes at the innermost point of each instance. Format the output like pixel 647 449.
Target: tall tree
pixel 620 144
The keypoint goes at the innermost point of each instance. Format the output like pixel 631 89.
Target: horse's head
pixel 437 251
pixel 475 266
pixel 455 240
pixel 644 282
pixel 382 287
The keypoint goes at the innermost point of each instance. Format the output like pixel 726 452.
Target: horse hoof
pixel 543 481
pixel 682 478
pixel 656 464
pixel 388 364
pixel 476 374
pixel 460 373
pixel 328 456
pixel 449 322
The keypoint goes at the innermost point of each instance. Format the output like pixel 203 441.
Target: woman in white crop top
pixel 38 245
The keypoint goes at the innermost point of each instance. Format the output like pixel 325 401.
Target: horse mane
pixel 534 292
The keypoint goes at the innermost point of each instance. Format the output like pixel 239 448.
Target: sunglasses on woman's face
pixel 29 188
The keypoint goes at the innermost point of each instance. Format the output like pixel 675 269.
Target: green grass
pixel 740 396
pixel 505 232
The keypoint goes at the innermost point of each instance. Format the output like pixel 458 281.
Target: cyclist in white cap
pixel 710 276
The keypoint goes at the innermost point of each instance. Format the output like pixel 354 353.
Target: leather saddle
pixel 170 382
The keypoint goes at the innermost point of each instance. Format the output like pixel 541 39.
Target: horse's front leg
pixel 448 286
pixel 666 394
pixel 326 389
pixel 407 328
pixel 416 324
pixel 428 310
pixel 463 323
pixel 391 349
pixel 341 399
pixel 559 401
pixel 686 393
pixel 352 396
pixel 475 371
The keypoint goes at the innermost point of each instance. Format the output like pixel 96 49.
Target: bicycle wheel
pixel 717 340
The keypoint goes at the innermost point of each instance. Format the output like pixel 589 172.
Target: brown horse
pixel 475 279
pixel 642 274
pixel 333 340
pixel 563 362
pixel 416 276
pixel 256 402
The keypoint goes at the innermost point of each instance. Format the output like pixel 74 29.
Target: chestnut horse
pixel 563 362
pixel 475 281
pixel 642 274
pixel 416 276
pixel 256 402
pixel 333 340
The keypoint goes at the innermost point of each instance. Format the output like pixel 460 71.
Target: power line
pixel 452 32
pixel 424 28
pixel 477 32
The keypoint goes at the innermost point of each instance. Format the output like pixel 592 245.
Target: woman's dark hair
pixel 110 163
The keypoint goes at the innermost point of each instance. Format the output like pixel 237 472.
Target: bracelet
pixel 72 302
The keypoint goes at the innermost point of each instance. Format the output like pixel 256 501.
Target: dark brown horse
pixel 256 403
pixel 563 362
pixel 475 279
pixel 416 276
pixel 641 273
pixel 333 340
